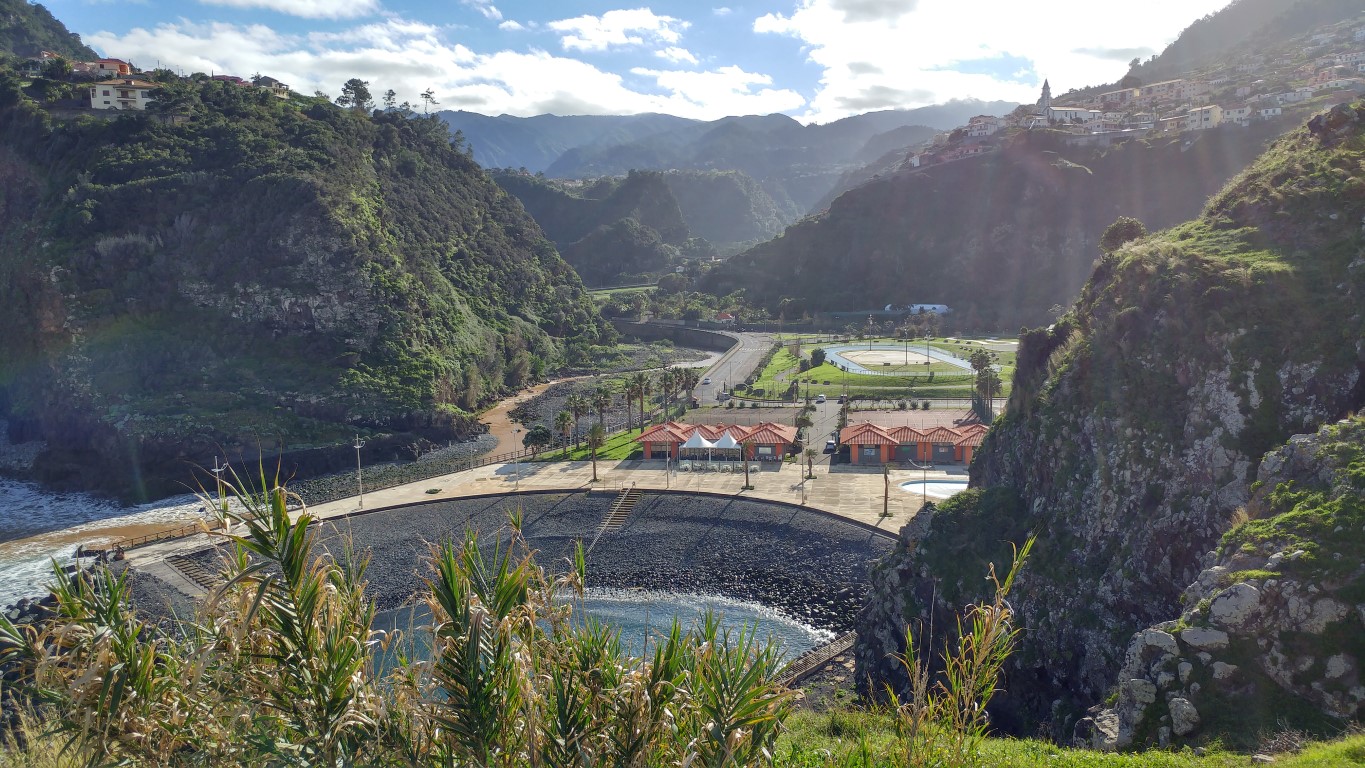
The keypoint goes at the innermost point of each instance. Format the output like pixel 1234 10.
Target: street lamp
pixel 924 481
pixel 516 458
pixel 359 479
pixel 218 480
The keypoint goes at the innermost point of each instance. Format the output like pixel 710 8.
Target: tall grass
pixel 279 667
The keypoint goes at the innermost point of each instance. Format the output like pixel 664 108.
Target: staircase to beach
pixel 620 511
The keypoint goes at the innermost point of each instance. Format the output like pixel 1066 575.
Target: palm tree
pixel 637 386
pixel 577 405
pixel 601 402
pixel 596 437
pixel 563 423
pixel 646 384
pixel 631 392
pixel 810 463
pixel 668 381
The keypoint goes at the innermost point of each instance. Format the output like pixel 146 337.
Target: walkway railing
pixel 138 541
pixel 809 662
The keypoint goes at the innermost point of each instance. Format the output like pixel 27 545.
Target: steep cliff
pixel 248 272
pixel 1133 434
pixel 1001 238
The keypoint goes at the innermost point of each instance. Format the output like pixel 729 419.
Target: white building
pixel 983 125
pixel 1204 118
pixel 1120 97
pixel 1237 113
pixel 1269 112
pixel 1072 114
pixel 1351 58
pixel 124 93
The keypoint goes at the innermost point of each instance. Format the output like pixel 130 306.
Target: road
pixel 734 365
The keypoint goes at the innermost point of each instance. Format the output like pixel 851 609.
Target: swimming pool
pixel 936 489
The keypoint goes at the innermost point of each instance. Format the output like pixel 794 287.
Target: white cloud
pixel 722 11
pixel 615 29
pixel 308 9
pixel 512 26
pixel 676 55
pixel 880 54
pixel 484 7
pixel 410 57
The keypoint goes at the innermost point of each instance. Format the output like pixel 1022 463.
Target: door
pixel 943 453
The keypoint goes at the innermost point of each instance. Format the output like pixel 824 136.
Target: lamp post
pixel 924 481
pixel 516 459
pixel 359 479
pixel 218 481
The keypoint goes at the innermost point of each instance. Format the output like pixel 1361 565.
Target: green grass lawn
pixel 853 739
pixel 618 446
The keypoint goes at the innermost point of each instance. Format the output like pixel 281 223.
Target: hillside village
pixel 115 84
pixel 1311 72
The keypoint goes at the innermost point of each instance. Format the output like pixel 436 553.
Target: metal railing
pixel 811 661
pixel 151 538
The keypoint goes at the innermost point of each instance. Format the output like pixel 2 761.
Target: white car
pixel 819 398
pixel 706 380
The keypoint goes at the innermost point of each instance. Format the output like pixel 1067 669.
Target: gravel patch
pixel 813 567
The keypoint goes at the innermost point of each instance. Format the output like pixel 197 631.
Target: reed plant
pixel 282 665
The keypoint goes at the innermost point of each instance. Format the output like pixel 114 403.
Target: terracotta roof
pixel 972 440
pixel 675 432
pixel 866 434
pixel 942 435
pixel 905 434
pixel 769 433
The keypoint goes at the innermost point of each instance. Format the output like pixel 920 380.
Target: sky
pixel 816 60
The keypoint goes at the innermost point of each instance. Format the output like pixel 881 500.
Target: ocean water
pixel 39 526
pixel 642 617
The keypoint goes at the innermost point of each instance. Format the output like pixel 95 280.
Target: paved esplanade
pixel 851 493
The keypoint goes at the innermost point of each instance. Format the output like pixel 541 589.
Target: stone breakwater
pixel 809 565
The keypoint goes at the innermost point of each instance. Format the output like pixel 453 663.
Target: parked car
pixel 843 399
pixel 820 398
pixel 706 380
pixel 831 446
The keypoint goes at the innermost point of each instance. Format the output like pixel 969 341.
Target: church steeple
pixel 1045 100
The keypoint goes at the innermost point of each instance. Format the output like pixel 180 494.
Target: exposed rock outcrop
pixel 1131 445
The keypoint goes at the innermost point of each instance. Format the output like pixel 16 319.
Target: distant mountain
pixel 27 28
pixel 1220 35
pixel 895 139
pixel 611 230
pixel 790 161
pixel 1001 238
pixel 534 143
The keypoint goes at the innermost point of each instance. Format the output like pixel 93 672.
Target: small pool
pixel 935 489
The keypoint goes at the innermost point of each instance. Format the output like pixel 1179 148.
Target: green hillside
pixel 728 208
pixel 1000 238
pixel 27 28
pixel 612 230
pixel 258 272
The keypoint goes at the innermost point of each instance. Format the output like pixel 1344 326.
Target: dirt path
pixel 500 424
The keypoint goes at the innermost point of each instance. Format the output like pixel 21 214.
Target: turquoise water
pixel 641 617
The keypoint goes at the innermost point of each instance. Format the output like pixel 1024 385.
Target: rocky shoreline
pixel 811 566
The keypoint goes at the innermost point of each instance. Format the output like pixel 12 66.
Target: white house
pixel 1204 118
pixel 1269 112
pixel 271 84
pixel 983 125
pixel 1237 113
pixel 1351 58
pixel 1360 33
pixel 124 93
pixel 1072 114
pixel 1163 90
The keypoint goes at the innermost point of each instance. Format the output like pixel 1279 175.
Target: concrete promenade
pixel 855 494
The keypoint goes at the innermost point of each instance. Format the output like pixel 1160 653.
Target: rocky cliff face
pixel 1273 629
pixel 1132 437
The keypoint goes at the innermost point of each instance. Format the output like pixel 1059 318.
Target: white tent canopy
pixel 697 441
pixel 727 442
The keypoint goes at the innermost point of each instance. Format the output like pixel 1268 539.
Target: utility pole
pixel 359 478
pixel 218 480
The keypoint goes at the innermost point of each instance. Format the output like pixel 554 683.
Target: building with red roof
pixel 766 441
pixel 873 444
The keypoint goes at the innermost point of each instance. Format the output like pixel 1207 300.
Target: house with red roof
pixel 873 444
pixel 766 441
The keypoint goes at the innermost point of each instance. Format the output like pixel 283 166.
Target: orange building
pixel 873 444
pixel 766 441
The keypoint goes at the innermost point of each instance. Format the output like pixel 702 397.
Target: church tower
pixel 1045 100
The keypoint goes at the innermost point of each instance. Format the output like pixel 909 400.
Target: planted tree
pixel 564 423
pixel 597 436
